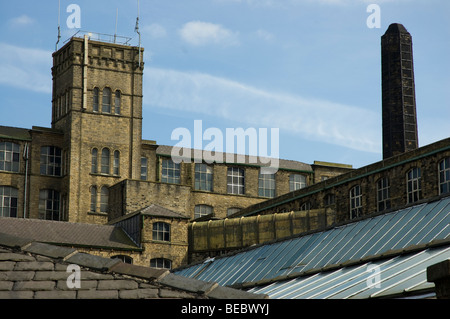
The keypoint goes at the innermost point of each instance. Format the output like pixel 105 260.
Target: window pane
pixel 94 165
pixel 105 161
pixel 51 161
pixel 170 172
pixel 9 157
pixel 116 162
pixel 203 177
pixel 95 99
pixel 296 181
pixel 49 208
pixel 104 199
pixel 117 103
pixel 161 231
pixel 235 181
pixel 106 101
pixel 8 201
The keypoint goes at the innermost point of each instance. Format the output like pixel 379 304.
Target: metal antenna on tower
pixel 115 31
pixel 59 23
pixel 136 29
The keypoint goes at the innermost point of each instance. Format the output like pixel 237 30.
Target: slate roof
pixel 15 133
pixel 68 234
pixel 34 270
pixel 166 150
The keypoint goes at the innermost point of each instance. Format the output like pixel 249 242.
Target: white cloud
pixel 22 20
pixel 25 68
pixel 202 33
pixel 265 35
pixel 314 119
pixel 155 30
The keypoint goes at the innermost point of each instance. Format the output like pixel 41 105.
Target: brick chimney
pixel 398 92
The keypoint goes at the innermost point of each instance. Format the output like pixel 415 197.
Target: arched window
pixel 9 157
pixel 104 199
pixel 93 199
pixel 355 202
pixel 117 102
pixel 95 99
pixel 105 161
pixel 106 101
pixel 414 185
pixel 8 201
pixel 161 231
pixel 383 196
pixel 94 161
pixel 202 210
pixel 49 205
pixel 161 263
pixel 444 176
pixel 116 164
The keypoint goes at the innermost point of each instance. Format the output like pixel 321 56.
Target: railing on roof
pixel 116 39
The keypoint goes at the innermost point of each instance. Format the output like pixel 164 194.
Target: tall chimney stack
pixel 398 92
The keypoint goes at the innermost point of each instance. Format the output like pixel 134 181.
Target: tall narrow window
pixel 144 168
pixel 116 165
pixel 170 172
pixel 235 181
pixel 202 210
pixel 94 161
pixel 383 197
pixel 51 161
pixel 203 177
pixel 104 199
pixel 117 102
pixel 49 205
pixel 444 176
pixel 95 99
pixel 296 181
pixel 9 157
pixel 355 202
pixel 266 185
pixel 93 199
pixel 161 231
pixel 8 201
pixel 106 100
pixel 105 161
pixel 413 185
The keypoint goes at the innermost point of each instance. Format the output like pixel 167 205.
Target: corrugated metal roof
pixel 393 277
pixel 375 236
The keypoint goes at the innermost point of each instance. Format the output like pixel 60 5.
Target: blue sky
pixel 311 68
